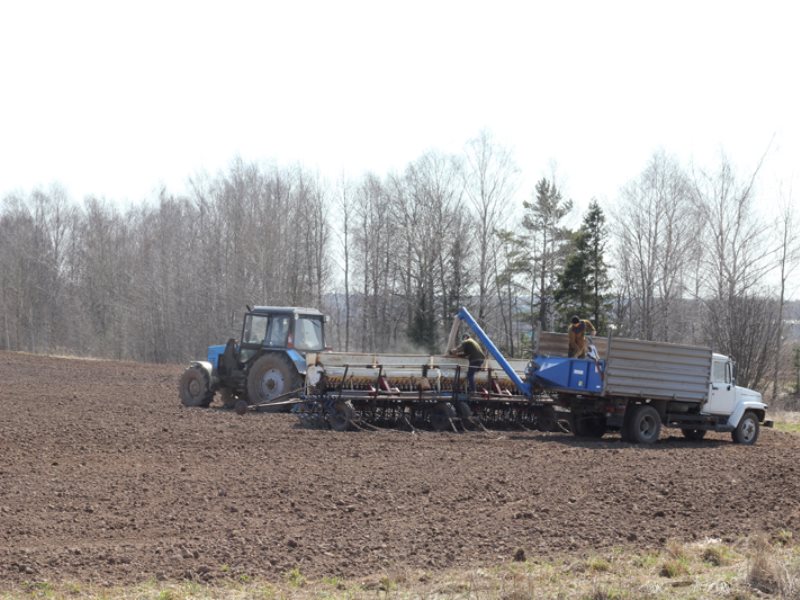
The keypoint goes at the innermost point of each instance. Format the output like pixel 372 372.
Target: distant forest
pixel 681 256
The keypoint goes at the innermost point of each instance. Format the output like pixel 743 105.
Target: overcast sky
pixel 117 98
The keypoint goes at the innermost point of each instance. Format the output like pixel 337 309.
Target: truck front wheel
pixel 645 425
pixel 746 431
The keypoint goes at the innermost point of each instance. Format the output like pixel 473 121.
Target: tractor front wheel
pixel 194 387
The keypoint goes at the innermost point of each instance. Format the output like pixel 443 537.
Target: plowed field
pixel 106 478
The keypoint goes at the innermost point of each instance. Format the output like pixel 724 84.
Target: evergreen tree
pixel 583 284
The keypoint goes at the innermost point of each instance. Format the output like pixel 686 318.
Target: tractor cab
pixel 281 328
pixel 268 361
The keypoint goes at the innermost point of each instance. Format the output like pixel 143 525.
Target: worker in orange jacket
pixel 577 336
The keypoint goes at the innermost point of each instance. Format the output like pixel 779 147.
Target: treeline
pixel 680 256
pixel 158 282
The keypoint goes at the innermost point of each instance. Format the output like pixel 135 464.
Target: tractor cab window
pixel 278 331
pixel 255 329
pixel 308 334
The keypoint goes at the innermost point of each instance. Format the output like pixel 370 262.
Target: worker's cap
pixel 576 319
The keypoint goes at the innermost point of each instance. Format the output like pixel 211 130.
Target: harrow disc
pixel 442 415
pixel 340 417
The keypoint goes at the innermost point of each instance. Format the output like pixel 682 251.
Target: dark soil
pixel 106 478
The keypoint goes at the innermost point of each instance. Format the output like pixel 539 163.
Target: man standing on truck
pixel 577 337
pixel 470 349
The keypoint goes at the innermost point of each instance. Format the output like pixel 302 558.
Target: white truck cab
pixel 722 390
pixel 725 398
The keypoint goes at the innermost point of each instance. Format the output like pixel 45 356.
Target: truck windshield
pixel 308 334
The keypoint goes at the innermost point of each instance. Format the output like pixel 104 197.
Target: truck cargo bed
pixel 633 368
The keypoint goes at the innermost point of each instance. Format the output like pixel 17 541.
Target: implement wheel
pixel 272 375
pixel 645 425
pixel 194 388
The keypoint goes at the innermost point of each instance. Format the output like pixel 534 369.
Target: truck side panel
pixel 550 343
pixel 657 370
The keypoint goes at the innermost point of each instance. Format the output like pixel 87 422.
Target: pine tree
pixel 583 284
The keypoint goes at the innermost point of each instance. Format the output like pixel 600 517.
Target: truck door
pixel 721 390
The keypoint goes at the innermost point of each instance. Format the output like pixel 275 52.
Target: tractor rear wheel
pixel 194 387
pixel 272 375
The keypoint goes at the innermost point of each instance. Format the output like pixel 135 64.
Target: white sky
pixel 116 98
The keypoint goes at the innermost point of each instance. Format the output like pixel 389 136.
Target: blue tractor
pixel 266 366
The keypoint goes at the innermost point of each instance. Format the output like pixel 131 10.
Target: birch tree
pixel 490 181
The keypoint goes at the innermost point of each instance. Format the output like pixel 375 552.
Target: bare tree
pixel 788 256
pixel 345 211
pixel 657 233
pixel 547 240
pixel 490 181
pixel 741 318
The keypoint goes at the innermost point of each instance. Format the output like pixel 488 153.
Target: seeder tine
pixel 453 424
pixel 478 423
pixel 408 423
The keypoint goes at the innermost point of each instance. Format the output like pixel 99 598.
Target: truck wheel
pixel 441 416
pixel 546 419
pixel 272 375
pixel 341 416
pixel 194 388
pixel 588 425
pixel 746 431
pixel 645 425
pixel 694 434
